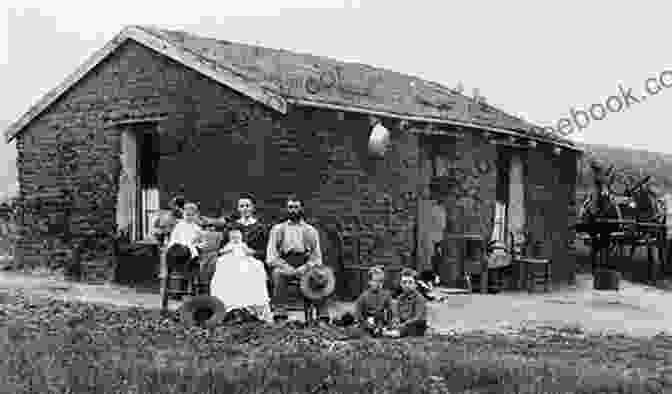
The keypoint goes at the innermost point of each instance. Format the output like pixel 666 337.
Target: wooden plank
pixel 464 236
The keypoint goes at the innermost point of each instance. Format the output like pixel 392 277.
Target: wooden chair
pixel 533 269
pixel 302 303
pixel 174 285
pixel 206 262
pixel 467 252
pixel 499 272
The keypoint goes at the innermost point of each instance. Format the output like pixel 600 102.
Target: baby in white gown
pixel 236 246
pixel 240 279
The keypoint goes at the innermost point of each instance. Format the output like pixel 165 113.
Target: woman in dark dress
pixel 255 236
pixel 255 231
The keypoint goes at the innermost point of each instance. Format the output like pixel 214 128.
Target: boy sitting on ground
pixel 410 315
pixel 373 308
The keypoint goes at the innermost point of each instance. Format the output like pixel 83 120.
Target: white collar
pixel 248 221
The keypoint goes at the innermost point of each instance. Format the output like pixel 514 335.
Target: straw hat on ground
pixel 318 282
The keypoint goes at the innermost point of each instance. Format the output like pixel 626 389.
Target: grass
pixel 56 347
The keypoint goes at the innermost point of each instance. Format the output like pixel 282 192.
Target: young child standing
pixel 410 317
pixel 373 308
pixel 187 231
pixel 183 244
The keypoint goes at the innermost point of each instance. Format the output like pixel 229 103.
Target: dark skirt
pixel 178 258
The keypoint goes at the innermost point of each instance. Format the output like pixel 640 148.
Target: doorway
pixel 516 199
pixel 138 198
pixel 510 201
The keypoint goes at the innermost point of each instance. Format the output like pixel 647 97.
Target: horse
pixel 637 214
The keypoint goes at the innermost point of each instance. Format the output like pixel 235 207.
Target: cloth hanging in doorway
pixel 499 255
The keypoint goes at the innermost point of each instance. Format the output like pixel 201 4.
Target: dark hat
pixel 318 282
pixel 203 310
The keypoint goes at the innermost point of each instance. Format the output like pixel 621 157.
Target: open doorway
pixel 502 200
pixel 138 198
pixel 510 201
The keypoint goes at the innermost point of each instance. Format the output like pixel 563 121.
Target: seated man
pixel 410 314
pixel 293 247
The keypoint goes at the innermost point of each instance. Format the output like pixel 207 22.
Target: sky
pixel 531 58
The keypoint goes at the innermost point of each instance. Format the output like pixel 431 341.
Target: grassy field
pixel 59 347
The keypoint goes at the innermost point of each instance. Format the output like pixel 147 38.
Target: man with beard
pixel 293 248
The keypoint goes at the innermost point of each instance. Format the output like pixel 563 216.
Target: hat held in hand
pixel 318 282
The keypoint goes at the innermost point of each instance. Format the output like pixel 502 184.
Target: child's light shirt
pixel 187 234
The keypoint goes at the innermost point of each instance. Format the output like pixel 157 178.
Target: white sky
pixel 533 58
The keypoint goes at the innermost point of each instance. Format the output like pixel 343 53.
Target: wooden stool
pixel 525 252
pixel 496 278
pixel 531 272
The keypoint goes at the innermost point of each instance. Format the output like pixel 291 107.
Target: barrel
pixel 177 285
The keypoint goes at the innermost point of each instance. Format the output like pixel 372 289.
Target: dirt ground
pixel 635 309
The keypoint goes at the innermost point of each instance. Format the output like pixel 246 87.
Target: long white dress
pixel 239 281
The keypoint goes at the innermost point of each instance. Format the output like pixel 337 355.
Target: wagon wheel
pixel 646 209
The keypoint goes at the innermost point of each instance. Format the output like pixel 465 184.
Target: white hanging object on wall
pixel 379 140
pixel 459 88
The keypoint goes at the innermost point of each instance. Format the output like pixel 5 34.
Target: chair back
pixel 208 257
pixel 524 245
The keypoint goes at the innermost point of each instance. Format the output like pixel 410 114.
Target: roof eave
pixel 15 128
pixel 228 76
pixel 213 70
pixel 387 114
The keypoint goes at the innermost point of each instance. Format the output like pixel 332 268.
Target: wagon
pixel 610 223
